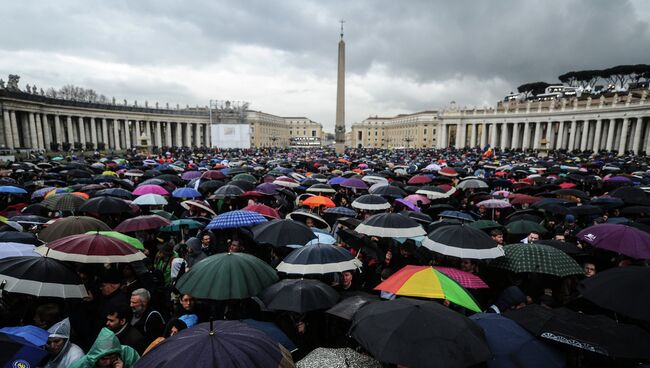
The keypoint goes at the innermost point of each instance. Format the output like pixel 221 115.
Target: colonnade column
pixel 188 131
pixel 572 137
pixel 168 134
pixel 196 142
pixel 457 142
pixel 537 136
pixel 526 143
pixel 68 125
pixel 127 134
pixel 158 127
pixel 32 131
pixel 504 136
pixel 623 140
pixel 93 132
pixel 560 136
pixel 484 131
pixel 39 131
pixel 515 136
pixel 493 135
pixel 179 137
pixel 9 133
pixel 206 137
pixel 599 129
pixel 104 124
pixel 637 136
pixel 82 132
pixel 116 134
pixel 610 135
pixel 584 135
pixel 47 132
pixel 59 136
pixel 14 128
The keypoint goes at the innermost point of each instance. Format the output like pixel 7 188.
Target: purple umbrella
pixel 337 180
pixel 189 175
pixel 354 184
pixel 267 188
pixel 618 238
pixel 226 344
pixel 618 178
pixel 408 204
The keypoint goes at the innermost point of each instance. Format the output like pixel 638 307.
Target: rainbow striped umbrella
pixel 427 282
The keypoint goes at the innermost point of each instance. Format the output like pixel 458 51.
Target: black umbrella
pixel 388 191
pixel 207 186
pixel 607 203
pixel 282 233
pixel 635 210
pixel 245 185
pixel 71 226
pixel 595 333
pixel 30 219
pixel 418 333
pixel 463 242
pixel 347 307
pixel 40 276
pixel 390 225
pixel 587 210
pixel 631 195
pixel 171 178
pixel 227 191
pixel 105 205
pixel 318 259
pixel 566 247
pixel 625 290
pixel 371 202
pixel 299 295
pixel 19 237
pixel 114 192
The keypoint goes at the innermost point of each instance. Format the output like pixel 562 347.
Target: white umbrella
pixel 11 249
pixel 150 199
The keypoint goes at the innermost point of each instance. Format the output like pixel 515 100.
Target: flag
pixel 488 152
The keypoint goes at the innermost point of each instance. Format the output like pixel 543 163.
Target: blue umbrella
pixel 323 238
pixel 186 193
pixel 457 215
pixel 512 346
pixel 341 211
pixel 234 219
pixel 176 225
pixel 16 351
pixel 273 331
pixel 12 190
pixel 34 335
pixel 337 180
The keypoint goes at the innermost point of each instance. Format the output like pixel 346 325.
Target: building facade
pixel 32 121
pixel 609 122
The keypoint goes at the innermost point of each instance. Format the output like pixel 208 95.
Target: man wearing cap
pixel 569 228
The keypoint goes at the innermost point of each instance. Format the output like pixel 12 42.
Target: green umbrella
pixel 177 224
pixel 537 258
pixel 245 177
pixel 485 225
pixel 524 227
pixel 227 276
pixel 135 243
pixel 164 214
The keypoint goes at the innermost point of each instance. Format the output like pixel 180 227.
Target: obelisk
pixel 339 132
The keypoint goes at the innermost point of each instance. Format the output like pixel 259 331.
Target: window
pixel 313 133
pixel 425 131
pixel 291 132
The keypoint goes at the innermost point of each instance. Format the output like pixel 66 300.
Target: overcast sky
pixel 402 56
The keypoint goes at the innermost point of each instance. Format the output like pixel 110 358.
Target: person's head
pixel 589 269
pixel 310 222
pixel 46 315
pixel 468 265
pixel 55 345
pixel 107 360
pixel 569 220
pixel 173 327
pixel 110 281
pixel 533 237
pixel 205 240
pixel 187 302
pixel 497 236
pixel 347 278
pixel 117 317
pixel 482 210
pixel 233 246
pixel 140 300
pixel 559 237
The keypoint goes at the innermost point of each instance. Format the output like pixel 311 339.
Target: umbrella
pixel 63 202
pixel 418 333
pixel 302 216
pixel 115 192
pixel 267 188
pixel 594 333
pixel 186 193
pixel 318 259
pixel 518 198
pixel 105 205
pixel 537 258
pixel 587 210
pixel 463 216
pixel 19 237
pixel 9 249
pixel 228 191
pixel 213 175
pixel 462 242
pixel 41 277
pixel 91 248
pixel 282 233
pixel 16 351
pixel 273 331
pixel 199 204
pixel 485 225
pixel 177 225
pixel 607 203
pixel 150 189
pixel 32 334
pixel 524 227
pixel 341 211
pixel 287 182
pixel 134 242
pixel 465 279
pixel 513 346
pixel 347 307
pixel 618 238
pixel 320 188
pixel 317 201
pixel 150 200
pixel 9 189
pixel 390 225
pixel 141 223
pixel 224 344
pixel 189 175
pixel 566 247
pixel 417 199
pixel 264 210
pixel 71 226
pixel 387 190
pixel 235 219
pixel 227 276
pixel 354 183
pixel 337 358
pixel 419 179
pixel 299 295
pixel 472 184
pixel 624 290
pixel 245 177
pixel 427 282
pixel 634 210
pixel 494 203
pixel 371 202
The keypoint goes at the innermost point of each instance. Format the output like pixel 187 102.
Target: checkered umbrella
pixel 234 219
pixel 63 202
pixel 466 279
pixel 537 258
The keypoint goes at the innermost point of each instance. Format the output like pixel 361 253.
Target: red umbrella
pixel 448 171
pixel 317 201
pixel 213 174
pixel 466 279
pixel 141 223
pixel 252 194
pixel 567 185
pixel 518 198
pixel 420 179
pixel 263 210
pixel 91 248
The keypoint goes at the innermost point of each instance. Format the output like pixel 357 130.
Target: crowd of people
pixel 464 214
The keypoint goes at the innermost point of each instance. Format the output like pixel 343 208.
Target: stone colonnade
pixel 627 133
pixel 41 130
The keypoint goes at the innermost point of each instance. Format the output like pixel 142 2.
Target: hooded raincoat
pixel 70 352
pixel 107 343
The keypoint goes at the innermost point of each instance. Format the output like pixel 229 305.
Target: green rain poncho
pixel 107 343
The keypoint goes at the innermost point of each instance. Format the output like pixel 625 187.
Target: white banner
pixel 230 135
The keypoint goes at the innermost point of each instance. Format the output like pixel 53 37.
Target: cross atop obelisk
pixel 339 131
